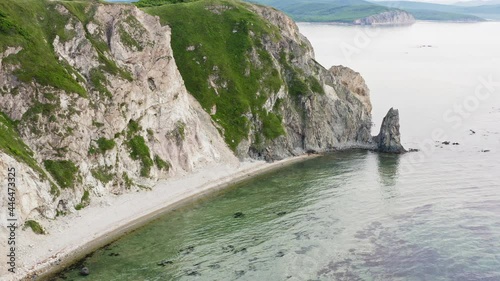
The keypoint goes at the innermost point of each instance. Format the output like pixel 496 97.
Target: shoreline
pixel 110 218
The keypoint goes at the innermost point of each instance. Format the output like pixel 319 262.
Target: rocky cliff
pixel 132 123
pixel 99 99
pixel 392 17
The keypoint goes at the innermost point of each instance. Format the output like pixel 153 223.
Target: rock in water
pixel 238 215
pixel 389 138
pixel 84 271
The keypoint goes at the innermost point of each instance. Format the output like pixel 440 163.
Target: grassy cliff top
pixel 218 48
pixel 30 24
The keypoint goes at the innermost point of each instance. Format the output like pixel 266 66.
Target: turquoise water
pixel 345 216
pixel 355 215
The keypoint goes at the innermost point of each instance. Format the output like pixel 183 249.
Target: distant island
pixel 341 11
pixel 384 12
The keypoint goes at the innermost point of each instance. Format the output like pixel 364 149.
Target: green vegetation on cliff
pixel 84 202
pixel 140 151
pixel 63 171
pixel 34 226
pixel 103 145
pixel 12 144
pixel 103 173
pixel 161 164
pixel 30 25
pixel 220 55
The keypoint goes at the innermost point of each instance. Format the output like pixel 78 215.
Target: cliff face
pixel 135 124
pixel 326 114
pixel 392 17
pixel 115 106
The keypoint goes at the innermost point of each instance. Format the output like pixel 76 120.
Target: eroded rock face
pixel 354 82
pixel 174 127
pixel 336 116
pixel 393 17
pixel 389 138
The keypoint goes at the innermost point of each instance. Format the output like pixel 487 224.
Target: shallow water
pixel 355 215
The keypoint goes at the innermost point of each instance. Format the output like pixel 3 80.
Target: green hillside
pixel 220 46
pixel 29 25
pixel 443 16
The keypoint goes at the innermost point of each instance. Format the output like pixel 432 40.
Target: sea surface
pixel 357 215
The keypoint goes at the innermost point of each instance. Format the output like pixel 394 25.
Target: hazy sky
pixel 437 1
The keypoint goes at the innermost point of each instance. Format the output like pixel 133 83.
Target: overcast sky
pixel 435 1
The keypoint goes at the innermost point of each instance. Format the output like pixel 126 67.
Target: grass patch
pixel 140 151
pixel 54 190
pixel 127 180
pixel 129 41
pixel 105 144
pixel 35 227
pixel 97 124
pixel 84 202
pixel 32 115
pixel 271 126
pixel 103 174
pixel 133 127
pixel 12 144
pixel 315 85
pixel 63 172
pixel 181 128
pixel 99 82
pixel 162 164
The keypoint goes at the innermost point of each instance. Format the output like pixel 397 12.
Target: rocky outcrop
pixel 354 82
pixel 391 17
pixel 389 138
pixel 334 115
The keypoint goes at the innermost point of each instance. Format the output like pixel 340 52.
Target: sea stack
pixel 389 138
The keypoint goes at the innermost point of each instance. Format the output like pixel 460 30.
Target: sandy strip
pixel 73 236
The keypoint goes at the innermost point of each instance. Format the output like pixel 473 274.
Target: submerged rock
pixel 187 250
pixel 238 215
pixel 389 138
pixel 228 249
pixel 165 262
pixel 84 271
pixel 192 273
